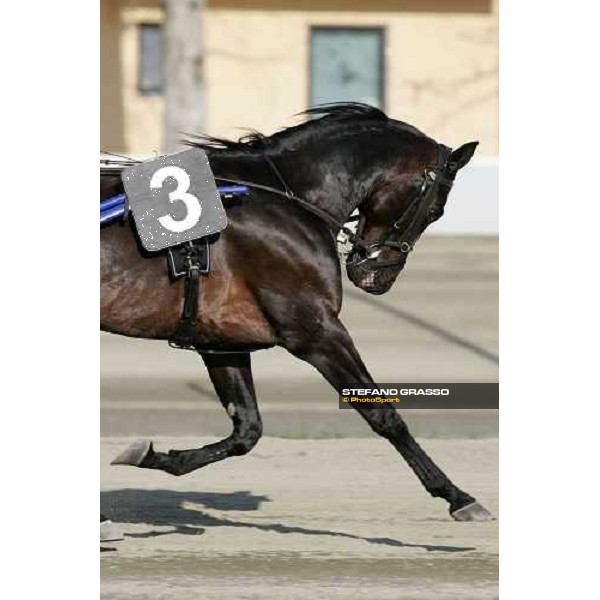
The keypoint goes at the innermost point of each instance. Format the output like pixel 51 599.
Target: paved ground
pixel 320 509
pixel 300 519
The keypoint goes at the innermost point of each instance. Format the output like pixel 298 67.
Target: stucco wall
pixel 112 125
pixel 441 66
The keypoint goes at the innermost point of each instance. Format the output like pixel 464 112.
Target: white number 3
pixel 192 204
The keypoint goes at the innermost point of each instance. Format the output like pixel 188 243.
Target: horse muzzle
pixel 365 274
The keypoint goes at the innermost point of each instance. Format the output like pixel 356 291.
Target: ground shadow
pixel 182 511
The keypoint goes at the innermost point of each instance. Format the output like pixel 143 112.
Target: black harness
pixel 193 258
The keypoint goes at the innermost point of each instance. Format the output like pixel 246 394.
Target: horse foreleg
pixel 333 354
pixel 231 376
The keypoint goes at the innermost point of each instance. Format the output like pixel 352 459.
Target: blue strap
pixel 113 208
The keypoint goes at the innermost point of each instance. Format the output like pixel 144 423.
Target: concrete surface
pixel 299 519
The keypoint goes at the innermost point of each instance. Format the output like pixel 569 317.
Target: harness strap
pixel 271 163
pixel 185 336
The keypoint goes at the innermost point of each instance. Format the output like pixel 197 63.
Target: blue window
pixel 347 65
pixel 151 65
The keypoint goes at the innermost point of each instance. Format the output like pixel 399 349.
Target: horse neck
pixel 333 181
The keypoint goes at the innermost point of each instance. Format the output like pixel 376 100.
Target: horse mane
pixel 334 113
pixel 254 142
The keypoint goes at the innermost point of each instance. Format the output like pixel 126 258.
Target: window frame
pixel 380 29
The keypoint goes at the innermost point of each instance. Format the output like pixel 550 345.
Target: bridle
pixel 433 178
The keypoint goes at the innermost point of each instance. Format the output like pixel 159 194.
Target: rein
pixel 315 210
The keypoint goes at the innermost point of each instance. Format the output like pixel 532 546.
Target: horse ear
pixel 461 156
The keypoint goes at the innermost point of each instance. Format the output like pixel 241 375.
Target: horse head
pixel 402 202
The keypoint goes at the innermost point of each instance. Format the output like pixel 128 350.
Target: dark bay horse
pixel 276 279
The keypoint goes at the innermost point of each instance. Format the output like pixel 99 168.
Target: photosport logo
pixel 421 395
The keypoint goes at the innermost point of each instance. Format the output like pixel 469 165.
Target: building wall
pixel 112 125
pixel 441 66
pixel 130 122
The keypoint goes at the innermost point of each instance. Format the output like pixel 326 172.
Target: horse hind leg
pixel 231 376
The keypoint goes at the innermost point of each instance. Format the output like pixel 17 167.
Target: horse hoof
pixel 472 512
pixel 134 455
pixel 110 532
